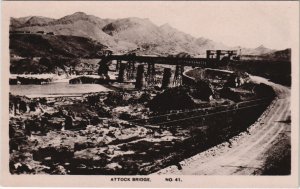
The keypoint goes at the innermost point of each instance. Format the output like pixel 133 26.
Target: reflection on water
pixel 55 89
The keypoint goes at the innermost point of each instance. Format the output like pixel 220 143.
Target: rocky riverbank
pixel 129 132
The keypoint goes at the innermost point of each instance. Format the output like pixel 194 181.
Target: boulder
pixel 228 93
pixel 113 166
pixel 202 90
pixel 176 98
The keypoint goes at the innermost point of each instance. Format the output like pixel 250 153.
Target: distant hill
pixel 256 51
pixel 35 45
pixel 38 21
pixel 274 55
pixel 279 55
pixel 18 22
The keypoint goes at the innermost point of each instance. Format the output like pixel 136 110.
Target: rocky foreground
pixel 128 132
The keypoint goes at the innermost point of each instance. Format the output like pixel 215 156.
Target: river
pixel 56 89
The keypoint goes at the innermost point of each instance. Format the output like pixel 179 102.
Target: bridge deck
pixel 165 60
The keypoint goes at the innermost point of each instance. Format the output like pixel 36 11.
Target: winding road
pixel 247 153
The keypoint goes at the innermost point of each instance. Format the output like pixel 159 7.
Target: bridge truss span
pixel 195 62
pixel 126 66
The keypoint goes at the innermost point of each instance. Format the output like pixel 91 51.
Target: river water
pixel 56 89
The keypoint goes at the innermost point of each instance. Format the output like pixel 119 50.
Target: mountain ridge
pixel 34 45
pixel 125 34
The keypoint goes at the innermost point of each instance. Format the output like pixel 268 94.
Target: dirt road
pixel 248 153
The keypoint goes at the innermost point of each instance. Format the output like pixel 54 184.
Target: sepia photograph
pixel 152 88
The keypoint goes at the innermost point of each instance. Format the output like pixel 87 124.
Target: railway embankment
pixel 263 149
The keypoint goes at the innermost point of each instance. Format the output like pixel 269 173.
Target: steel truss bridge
pixel 127 63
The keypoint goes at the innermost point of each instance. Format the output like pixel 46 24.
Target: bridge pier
pixel 130 70
pixel 121 76
pixel 166 78
pixel 178 75
pixel 230 54
pixel 103 70
pixel 151 73
pixel 118 64
pixel 218 54
pixel 208 53
pixel 139 83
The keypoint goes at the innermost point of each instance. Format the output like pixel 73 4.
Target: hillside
pixel 279 55
pixel 260 50
pixel 128 34
pixel 18 22
pixel 35 45
pixel 121 35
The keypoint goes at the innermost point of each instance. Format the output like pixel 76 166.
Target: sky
pixel 245 23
